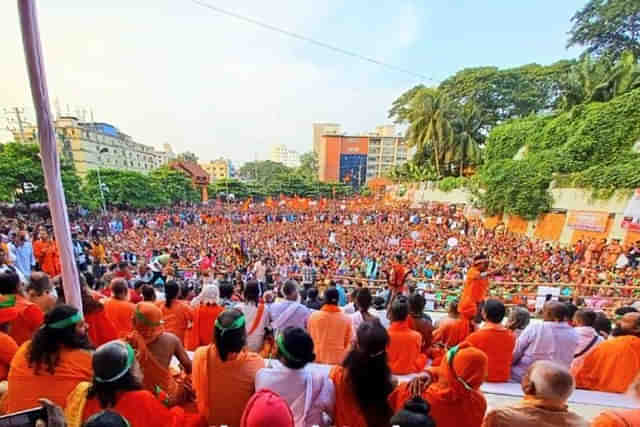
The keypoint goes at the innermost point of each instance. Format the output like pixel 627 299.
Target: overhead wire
pixel 310 40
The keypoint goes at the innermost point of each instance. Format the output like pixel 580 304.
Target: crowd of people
pixel 258 317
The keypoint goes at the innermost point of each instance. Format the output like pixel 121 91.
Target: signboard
pixel 588 220
pixel 543 292
pixel 631 220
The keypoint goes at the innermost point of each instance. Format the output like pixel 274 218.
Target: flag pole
pixel 48 150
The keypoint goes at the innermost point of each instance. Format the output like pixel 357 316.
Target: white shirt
pixel 294 385
pixel 256 339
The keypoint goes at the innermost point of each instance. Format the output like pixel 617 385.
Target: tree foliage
pixel 22 178
pixel 309 165
pixel 593 144
pixel 607 27
pixel 262 170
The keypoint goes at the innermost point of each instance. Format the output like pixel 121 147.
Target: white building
pixel 281 154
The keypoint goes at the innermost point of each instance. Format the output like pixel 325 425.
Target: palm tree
pixel 429 125
pixel 468 138
pixel 600 80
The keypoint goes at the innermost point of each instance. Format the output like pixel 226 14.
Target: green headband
pixel 450 355
pixel 284 351
pixel 142 318
pixel 237 324
pixel 131 356
pixel 65 323
pixel 9 302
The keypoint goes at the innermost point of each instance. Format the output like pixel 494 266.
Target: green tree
pixel 309 165
pixel 600 80
pixel 399 110
pixel 430 129
pixel 22 178
pixel 262 170
pixel 123 189
pixel 607 27
pixel 467 125
pixel 172 186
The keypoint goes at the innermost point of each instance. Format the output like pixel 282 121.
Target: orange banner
pixel 588 220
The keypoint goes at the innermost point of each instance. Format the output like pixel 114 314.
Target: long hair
pixel 229 340
pixel 252 292
pixel 47 342
pixel 171 290
pixel 106 393
pixel 369 374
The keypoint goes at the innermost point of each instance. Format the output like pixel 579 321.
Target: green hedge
pixel 451 183
pixel 591 144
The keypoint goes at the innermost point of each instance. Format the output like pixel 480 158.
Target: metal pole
pixel 48 150
pixel 104 205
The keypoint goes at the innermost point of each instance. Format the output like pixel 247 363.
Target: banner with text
pixel 588 220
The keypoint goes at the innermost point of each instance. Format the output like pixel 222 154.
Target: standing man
pixel 289 313
pixel 21 250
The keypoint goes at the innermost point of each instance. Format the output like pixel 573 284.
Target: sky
pixel 174 71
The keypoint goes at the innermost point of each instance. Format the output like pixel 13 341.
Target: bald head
pixel 548 380
pixel 629 324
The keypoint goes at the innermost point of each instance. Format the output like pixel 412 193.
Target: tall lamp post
pixel 104 205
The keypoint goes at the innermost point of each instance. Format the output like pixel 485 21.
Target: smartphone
pixel 26 418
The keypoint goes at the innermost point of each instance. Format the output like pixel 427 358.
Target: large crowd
pixel 258 316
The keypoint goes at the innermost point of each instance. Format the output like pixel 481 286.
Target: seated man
pixel 588 338
pixel 405 345
pixel 118 308
pixel 547 387
pixel 626 418
pixel 289 313
pixel 29 317
pixel 330 329
pixel 8 346
pixel 53 364
pixel 613 364
pixel 224 372
pixel 154 350
pixel 419 321
pixel 495 340
pixel 553 339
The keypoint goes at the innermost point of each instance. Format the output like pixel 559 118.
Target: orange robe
pixel 30 318
pixel 405 349
pixel 47 255
pixel 142 409
pixel 498 343
pixel 474 291
pixel 611 366
pixel 347 411
pixel 331 331
pixel 8 349
pixel 101 329
pixel 204 318
pixel 422 329
pixel 177 318
pixel 25 387
pixel 120 313
pixel 223 388
pixel 452 405
pixel 617 419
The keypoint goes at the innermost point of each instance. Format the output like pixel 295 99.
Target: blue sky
pixel 173 71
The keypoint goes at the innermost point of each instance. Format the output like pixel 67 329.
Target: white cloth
pixel 210 294
pixel 256 339
pixel 308 393
pixel 356 321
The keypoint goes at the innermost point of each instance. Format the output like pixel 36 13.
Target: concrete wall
pixel 564 199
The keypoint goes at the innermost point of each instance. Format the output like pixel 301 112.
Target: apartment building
pixel 281 154
pixel 219 169
pixel 94 144
pixel 354 159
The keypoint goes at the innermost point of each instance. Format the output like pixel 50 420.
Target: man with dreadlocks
pixel 154 350
pixel 224 372
pixel 116 386
pixel 53 364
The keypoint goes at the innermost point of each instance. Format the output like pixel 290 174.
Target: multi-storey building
pixel 281 154
pixel 354 159
pixel 219 169
pixel 319 130
pixel 91 145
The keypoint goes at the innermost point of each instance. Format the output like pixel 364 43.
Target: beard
pixel 80 341
pixel 620 332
